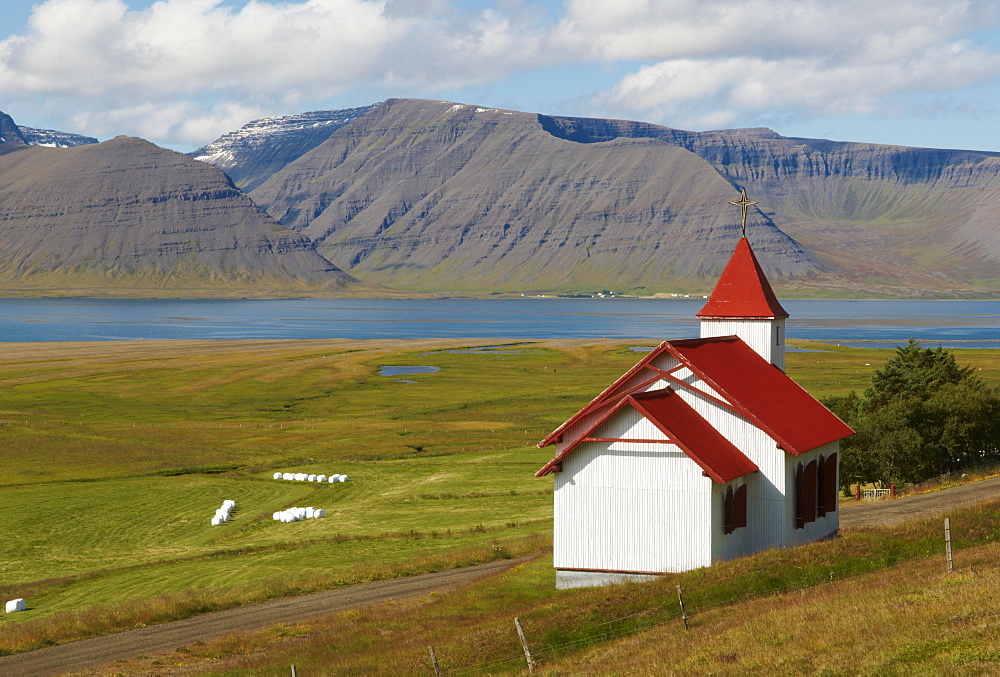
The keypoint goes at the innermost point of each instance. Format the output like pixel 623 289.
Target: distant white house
pixel 703 451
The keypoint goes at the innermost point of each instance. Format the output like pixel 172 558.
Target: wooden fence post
pixel 434 661
pixel 947 541
pixel 524 643
pixel 857 492
pixel 892 491
pixel 294 674
pixel 684 615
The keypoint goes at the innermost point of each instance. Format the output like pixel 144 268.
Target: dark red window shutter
pixel 821 488
pixel 830 483
pixel 799 521
pixel 799 512
pixel 740 507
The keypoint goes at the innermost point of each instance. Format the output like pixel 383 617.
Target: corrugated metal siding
pixel 766 337
pixel 631 506
pixel 765 489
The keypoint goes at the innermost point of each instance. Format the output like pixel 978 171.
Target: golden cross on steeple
pixel 743 203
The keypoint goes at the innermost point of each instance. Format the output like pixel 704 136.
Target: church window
pixel 735 509
pixel 805 494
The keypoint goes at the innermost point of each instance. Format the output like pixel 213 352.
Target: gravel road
pixel 97 651
pixel 888 513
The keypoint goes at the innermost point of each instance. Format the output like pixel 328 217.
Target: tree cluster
pixel 923 415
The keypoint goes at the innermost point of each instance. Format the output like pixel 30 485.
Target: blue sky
pixel 182 72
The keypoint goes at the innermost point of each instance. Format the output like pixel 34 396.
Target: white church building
pixel 704 451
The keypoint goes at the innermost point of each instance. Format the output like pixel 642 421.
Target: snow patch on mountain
pixel 54 139
pixel 225 151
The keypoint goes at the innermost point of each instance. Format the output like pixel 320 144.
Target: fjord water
pixel 888 322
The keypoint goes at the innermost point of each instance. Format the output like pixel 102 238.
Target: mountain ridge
pixel 870 219
pixel 424 196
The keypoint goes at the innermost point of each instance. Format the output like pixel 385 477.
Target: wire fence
pixel 957 477
pixel 671 613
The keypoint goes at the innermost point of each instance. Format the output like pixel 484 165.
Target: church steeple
pixel 743 303
pixel 742 291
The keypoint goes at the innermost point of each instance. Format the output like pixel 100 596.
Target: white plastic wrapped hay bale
pixel 312 478
pixel 309 513
pixel 217 520
pixel 15 605
pixel 301 476
pixel 343 478
pixel 278 475
pixel 321 478
pixel 277 516
pixel 228 502
pixel 287 476
pixel 334 479
pixel 319 513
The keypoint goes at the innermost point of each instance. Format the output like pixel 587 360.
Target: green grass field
pixel 116 455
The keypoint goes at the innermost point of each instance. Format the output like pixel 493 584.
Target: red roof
pixel 754 388
pixel 683 426
pixel 706 446
pixel 762 392
pixel 742 290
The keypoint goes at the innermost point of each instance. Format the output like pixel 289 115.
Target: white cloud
pixel 185 122
pixel 178 69
pixel 803 60
pixel 102 47
pixel 180 57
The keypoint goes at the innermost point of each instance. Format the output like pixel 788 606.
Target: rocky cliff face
pixel 10 133
pixel 128 215
pixel 262 147
pixel 439 196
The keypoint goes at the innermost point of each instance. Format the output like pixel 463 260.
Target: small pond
pixel 399 371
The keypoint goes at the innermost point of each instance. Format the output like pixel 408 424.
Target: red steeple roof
pixel 742 290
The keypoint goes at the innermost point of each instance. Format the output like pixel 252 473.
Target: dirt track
pixel 97 651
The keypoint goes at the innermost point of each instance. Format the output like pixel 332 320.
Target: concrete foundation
pixel 568 578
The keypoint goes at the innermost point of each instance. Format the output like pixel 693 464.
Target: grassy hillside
pixel 874 602
pixel 117 454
